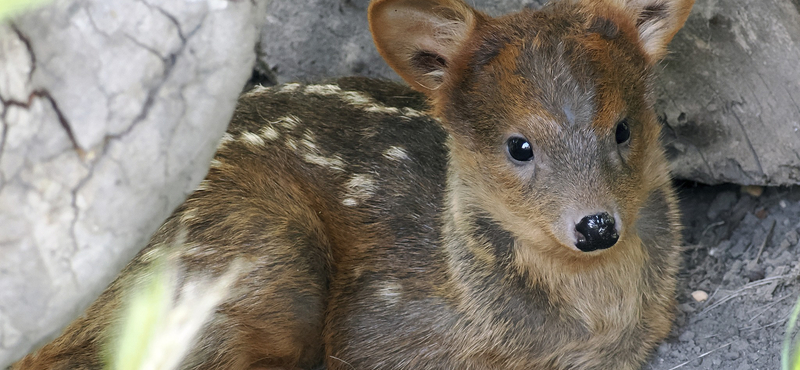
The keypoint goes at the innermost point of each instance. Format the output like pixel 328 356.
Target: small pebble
pixel 738 249
pixel 699 295
pixel 753 190
pixel 686 307
pixel 721 204
pixel 762 213
pixel 686 336
pixel 732 355
pixel 755 274
pixel 792 236
pixel 750 220
pixel 783 204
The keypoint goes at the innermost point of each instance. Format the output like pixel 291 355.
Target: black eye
pixel 623 131
pixel 520 149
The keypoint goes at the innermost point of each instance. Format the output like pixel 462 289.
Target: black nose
pixel 596 232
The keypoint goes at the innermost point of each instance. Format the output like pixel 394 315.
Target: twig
pixel 700 356
pixel 767 307
pixel 693 247
pixel 713 295
pixel 768 325
pixel 741 290
pixel 709 227
pixel 764 243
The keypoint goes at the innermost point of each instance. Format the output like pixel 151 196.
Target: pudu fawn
pixel 518 214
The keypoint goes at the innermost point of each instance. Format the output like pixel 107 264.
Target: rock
pixel 110 112
pixel 726 96
pixel 312 46
pixel 722 203
pixel 791 237
pixel 754 273
pixel 732 355
pixel 686 336
pixel 750 220
pixel 727 93
pixel 738 249
pixel 699 296
pixel 664 349
pixel 753 190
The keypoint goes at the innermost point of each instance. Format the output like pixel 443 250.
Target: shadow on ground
pixel 742 250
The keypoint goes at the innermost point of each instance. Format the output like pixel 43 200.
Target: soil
pixel 742 249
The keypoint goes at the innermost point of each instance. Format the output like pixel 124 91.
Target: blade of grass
pixel 790 359
pixel 162 319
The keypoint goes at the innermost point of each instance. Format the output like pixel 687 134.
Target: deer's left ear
pixel 420 38
pixel 657 22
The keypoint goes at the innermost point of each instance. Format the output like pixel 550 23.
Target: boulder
pixel 110 112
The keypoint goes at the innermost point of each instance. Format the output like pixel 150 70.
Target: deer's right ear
pixel 419 38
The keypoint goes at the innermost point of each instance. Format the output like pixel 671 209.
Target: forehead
pixel 563 63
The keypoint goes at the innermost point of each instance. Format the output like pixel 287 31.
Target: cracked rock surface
pixel 109 114
pixel 728 95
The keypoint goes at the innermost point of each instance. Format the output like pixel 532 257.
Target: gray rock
pixel 686 336
pixel 791 237
pixel 109 114
pixel 738 249
pixel 728 93
pixel 722 203
pixel 317 39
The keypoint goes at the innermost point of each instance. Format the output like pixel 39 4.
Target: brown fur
pixel 384 238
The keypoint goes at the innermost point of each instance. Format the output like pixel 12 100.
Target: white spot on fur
pixel 225 140
pixel 203 185
pixel 270 133
pixel 391 292
pixel 291 144
pixel 189 214
pixel 410 112
pixel 395 153
pixel 335 163
pixel 358 188
pixel 377 108
pixel 356 98
pixel 290 87
pixel 251 138
pixel 258 89
pixel 311 153
pixel 308 140
pixel 215 163
pixel 288 122
pixel 308 144
pixel 359 100
pixel 323 90
pixel 366 103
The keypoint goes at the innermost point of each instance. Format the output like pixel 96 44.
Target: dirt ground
pixel 742 250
